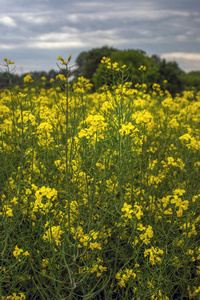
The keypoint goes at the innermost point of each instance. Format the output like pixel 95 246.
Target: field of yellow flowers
pixel 100 192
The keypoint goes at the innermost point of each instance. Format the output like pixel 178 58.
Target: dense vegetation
pixel 100 192
pixel 167 74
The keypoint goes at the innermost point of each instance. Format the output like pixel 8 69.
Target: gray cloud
pixel 40 29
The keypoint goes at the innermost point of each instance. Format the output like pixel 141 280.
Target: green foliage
pixel 192 79
pixel 171 72
pixel 157 70
pixel 133 59
pixel 6 78
pixel 87 62
pixel 167 74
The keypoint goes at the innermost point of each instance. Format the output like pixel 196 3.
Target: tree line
pixel 6 79
pixel 167 74
pixel 88 64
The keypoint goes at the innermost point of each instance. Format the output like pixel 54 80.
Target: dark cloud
pixel 36 31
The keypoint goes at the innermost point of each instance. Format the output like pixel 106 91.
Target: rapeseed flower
pixel 53 234
pixel 14 296
pixel 17 252
pixel 127 209
pixel 147 235
pixel 153 255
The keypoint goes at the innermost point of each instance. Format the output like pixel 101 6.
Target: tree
pixel 87 62
pixel 156 58
pixel 133 59
pixel 192 80
pixel 173 74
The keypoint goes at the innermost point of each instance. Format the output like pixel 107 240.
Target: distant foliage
pixel 167 74
pixel 88 65
pixel 87 62
pixel 133 59
pixel 173 74
pixel 193 80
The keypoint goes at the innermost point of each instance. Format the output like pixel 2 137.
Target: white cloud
pixel 32 19
pixel 59 36
pixel 182 55
pixel 56 45
pixel 73 38
pixel 6 46
pixel 187 61
pixel 181 37
pixel 7 21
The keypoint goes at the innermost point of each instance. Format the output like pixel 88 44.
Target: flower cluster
pixel 100 191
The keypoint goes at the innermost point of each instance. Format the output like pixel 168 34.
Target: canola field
pixel 100 192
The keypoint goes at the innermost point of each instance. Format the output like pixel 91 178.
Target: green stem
pixel 66 149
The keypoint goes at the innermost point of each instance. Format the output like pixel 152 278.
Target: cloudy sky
pixel 35 33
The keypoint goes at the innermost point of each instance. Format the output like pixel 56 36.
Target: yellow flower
pixel 95 246
pixel 179 192
pixel 138 211
pixel 127 208
pixel 145 237
pixel 168 211
pixel 140 227
pixel 142 68
pixel 26 253
pixel 14 200
pixel 53 233
pixel 153 253
pixel 17 251
pixel 176 200
pixel 14 297
pixel 8 211
pixel 126 129
pixel 61 77
pixel 69 58
pixel 183 206
pixel 63 62
pixel 124 276
pixel 8 61
pixel 28 78
pixel 105 60
pixel 60 58
pixel 165 201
